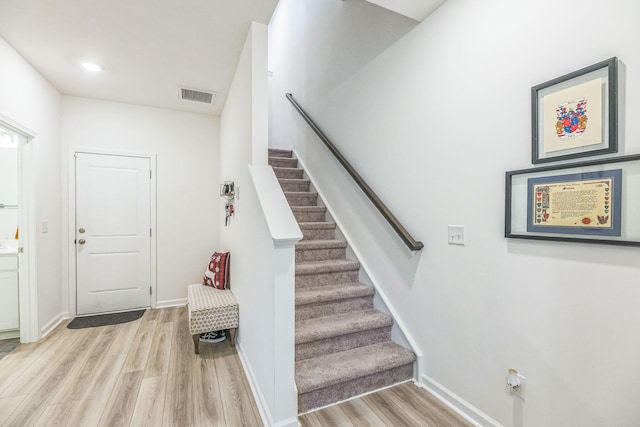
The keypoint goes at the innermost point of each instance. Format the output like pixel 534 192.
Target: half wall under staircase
pixel 343 344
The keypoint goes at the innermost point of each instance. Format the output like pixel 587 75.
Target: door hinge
pixel 150 232
pixel 150 290
pixel 149 173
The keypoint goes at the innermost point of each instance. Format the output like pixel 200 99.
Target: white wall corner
pixel 417 10
pixel 457 404
pixel 53 323
pixel 261 402
pixel 259 94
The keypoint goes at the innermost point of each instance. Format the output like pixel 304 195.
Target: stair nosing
pixel 309 245
pixel 289 169
pixel 309 208
pixel 356 321
pixel 300 193
pixel 332 293
pixel 317 225
pixel 327 266
pixel 293 180
pixel 367 365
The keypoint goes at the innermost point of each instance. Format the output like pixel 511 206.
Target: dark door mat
pixel 105 319
pixel 6 346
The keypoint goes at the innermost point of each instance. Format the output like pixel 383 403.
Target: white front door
pixel 113 227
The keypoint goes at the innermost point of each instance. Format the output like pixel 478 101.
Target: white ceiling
pixel 148 47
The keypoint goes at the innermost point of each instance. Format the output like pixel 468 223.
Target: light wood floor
pixel 142 373
pixel 402 405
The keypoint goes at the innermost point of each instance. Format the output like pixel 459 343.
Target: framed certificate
pixel 585 203
pixel 576 115
pixel 592 202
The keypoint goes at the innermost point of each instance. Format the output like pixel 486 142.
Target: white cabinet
pixel 9 304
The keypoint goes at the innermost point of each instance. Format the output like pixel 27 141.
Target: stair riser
pixel 310 311
pixel 321 279
pixel 320 254
pixel 274 152
pixel 342 343
pixel 295 186
pixel 309 216
pixel 325 396
pixel 288 173
pixel 319 234
pixel 279 162
pixel 310 200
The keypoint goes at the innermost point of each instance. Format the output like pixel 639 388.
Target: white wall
pixel 243 142
pixel 247 236
pixel 30 100
pixel 432 123
pixel 187 150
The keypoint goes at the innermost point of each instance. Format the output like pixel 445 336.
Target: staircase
pixel 343 344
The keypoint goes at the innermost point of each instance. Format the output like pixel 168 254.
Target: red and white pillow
pixel 217 272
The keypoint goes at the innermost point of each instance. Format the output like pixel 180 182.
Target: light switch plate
pixel 456 235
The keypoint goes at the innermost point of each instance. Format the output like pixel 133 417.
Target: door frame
pixel 72 221
pixel 27 265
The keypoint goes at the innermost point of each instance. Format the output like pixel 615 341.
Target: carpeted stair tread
pixel 283 162
pixel 287 169
pixel 319 328
pixel 292 180
pixel 301 198
pixel 294 184
pixel 316 225
pixel 328 293
pixel 317 267
pixel 331 369
pixel 304 245
pixel 301 193
pixel 308 209
pixel 278 152
pixel 287 172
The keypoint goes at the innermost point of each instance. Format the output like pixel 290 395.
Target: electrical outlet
pixel 456 235
pixel 516 385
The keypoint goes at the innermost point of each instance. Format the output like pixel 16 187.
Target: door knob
pixel 81 242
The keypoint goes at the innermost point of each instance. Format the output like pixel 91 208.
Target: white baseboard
pixel 457 404
pixel 53 323
pixel 7 335
pixel 171 303
pixel 263 408
pixel 291 422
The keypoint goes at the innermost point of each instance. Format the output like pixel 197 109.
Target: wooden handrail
pixel 384 210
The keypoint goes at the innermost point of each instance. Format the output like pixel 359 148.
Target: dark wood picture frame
pixel 517 188
pixel 605 72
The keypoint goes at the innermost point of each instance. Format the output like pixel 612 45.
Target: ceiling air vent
pixel 197 95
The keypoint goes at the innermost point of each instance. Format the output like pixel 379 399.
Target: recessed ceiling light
pixel 91 66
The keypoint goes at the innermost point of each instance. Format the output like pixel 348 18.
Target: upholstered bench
pixel 211 309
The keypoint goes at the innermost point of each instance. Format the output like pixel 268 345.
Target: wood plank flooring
pixel 141 373
pixel 144 373
pixel 402 405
